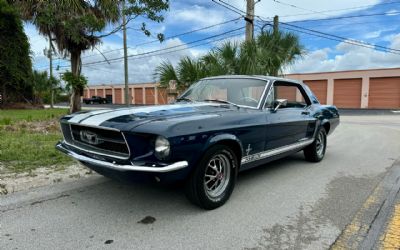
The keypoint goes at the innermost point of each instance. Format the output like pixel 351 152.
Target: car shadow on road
pixel 152 200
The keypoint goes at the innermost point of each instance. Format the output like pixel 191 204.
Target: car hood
pixel 126 119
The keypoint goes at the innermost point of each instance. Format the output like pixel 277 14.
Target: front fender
pixel 219 138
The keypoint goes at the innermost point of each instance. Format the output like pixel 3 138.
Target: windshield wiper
pixel 221 101
pixel 184 99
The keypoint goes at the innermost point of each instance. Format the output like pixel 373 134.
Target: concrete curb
pixel 364 230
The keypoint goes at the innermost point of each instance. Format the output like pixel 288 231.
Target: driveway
pixel 287 204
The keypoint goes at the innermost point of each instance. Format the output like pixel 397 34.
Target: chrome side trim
pixel 168 168
pixel 276 151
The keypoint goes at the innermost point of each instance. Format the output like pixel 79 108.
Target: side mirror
pixel 279 103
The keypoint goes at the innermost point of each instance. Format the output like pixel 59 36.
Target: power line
pixel 344 9
pixel 151 53
pixel 177 50
pixel 325 35
pixel 230 7
pixel 344 23
pixel 347 17
pixel 170 37
pixel 344 38
pixel 295 6
pixel 233 7
pixel 340 39
pixel 239 11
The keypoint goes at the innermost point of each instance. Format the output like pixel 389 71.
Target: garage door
pixel 138 96
pixel 150 96
pixel 92 93
pixel 285 92
pixel 384 92
pixel 118 96
pixel 100 92
pixel 347 93
pixel 162 95
pixel 319 88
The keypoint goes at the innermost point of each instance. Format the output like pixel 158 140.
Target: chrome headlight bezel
pixel 162 147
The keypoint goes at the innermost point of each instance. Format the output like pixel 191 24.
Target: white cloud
pixel 392 12
pixel 197 15
pixel 373 34
pixel 349 57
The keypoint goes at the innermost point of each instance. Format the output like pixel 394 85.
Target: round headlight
pixel 162 147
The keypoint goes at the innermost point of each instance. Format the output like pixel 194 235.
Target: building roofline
pixel 121 84
pixel 341 71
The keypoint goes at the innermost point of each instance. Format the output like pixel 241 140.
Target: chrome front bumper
pixel 168 168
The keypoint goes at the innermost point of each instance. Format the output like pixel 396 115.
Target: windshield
pixel 242 92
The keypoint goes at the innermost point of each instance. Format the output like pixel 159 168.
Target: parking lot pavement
pixel 287 204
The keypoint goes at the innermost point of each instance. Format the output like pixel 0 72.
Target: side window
pixel 293 93
pixel 269 102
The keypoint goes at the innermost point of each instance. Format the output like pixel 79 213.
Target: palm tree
pixel 266 55
pixel 71 25
pixel 74 26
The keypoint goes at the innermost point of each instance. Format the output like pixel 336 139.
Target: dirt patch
pixel 21 105
pixel 15 182
pixel 43 127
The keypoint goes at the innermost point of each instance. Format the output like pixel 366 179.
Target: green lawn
pixel 8 117
pixel 28 138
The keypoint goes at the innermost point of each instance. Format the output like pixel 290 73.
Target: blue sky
pixel 322 54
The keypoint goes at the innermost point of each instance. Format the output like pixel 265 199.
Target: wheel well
pixel 234 146
pixel 327 127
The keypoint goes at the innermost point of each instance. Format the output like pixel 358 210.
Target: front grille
pixel 96 140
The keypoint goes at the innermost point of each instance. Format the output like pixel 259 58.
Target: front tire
pixel 213 180
pixel 315 152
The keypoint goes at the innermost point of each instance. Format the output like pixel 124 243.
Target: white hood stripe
pixel 95 119
pixel 80 117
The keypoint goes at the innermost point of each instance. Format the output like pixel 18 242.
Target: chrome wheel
pixel 217 175
pixel 320 143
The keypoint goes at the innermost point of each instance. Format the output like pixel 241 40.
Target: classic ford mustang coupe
pixel 218 127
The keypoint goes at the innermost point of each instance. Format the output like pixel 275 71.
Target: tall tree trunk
pixel 3 93
pixel 75 101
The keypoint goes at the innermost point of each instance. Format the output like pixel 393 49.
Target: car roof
pixel 262 77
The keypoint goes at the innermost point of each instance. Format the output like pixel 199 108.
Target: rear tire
pixel 212 181
pixel 315 152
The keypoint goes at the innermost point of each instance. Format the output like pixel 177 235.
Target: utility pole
pixel 49 53
pixel 127 99
pixel 276 24
pixel 249 20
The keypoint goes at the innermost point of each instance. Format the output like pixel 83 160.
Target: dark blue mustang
pixel 218 127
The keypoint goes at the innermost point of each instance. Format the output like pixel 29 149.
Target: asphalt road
pixel 287 204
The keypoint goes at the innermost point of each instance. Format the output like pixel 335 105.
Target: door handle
pixel 305 112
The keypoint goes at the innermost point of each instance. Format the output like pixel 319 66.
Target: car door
pixel 291 123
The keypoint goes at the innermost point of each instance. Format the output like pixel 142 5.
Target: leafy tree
pixel 73 81
pixel 76 25
pixel 42 86
pixel 266 55
pixel 15 62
